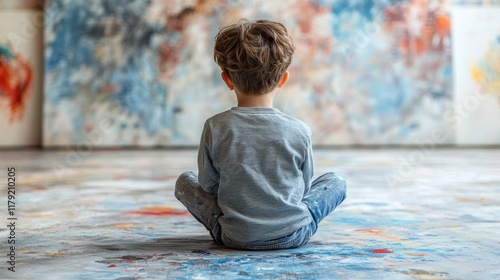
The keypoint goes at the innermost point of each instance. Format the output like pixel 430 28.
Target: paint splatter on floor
pixel 110 217
pixel 382 251
pixel 158 211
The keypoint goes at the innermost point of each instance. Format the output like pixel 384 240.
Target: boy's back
pixel 254 188
pixel 258 161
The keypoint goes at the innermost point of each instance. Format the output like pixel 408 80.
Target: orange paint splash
pixel 443 25
pixel 16 77
pixel 379 233
pixel 464 199
pixel 369 230
pixel 123 225
pixel 158 211
pixel 430 37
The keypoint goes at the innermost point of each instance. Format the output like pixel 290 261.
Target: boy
pixel 254 189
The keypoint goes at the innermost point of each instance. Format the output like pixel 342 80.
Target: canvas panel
pixel 476 53
pixel 21 78
pixel 142 73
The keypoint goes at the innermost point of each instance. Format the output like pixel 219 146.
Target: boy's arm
pixel 207 174
pixel 308 166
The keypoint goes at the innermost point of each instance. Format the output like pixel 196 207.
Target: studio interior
pixel 103 104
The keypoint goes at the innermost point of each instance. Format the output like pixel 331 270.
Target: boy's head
pixel 254 55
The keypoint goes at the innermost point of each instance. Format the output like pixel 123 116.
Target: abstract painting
pixel 477 75
pixel 141 73
pixel 20 78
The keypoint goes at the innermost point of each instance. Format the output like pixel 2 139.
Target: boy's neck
pixel 264 100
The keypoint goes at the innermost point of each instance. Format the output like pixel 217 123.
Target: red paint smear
pixel 15 82
pixel 158 211
pixel 112 265
pixel 39 188
pixel 382 251
pixel 169 52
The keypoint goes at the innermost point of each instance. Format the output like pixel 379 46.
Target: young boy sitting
pixel 254 189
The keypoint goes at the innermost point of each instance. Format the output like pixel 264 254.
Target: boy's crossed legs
pixel 326 193
pixel 202 205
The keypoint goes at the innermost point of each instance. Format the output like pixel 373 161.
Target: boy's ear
pixel 226 80
pixel 283 79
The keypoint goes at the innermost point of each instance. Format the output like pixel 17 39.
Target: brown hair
pixel 254 55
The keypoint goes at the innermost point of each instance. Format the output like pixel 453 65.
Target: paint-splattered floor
pixel 112 215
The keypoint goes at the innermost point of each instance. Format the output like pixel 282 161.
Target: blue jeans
pixel 326 193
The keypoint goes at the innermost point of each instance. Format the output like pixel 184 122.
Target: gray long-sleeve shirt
pixel 258 161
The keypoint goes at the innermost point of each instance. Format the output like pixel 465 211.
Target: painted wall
pixel 365 72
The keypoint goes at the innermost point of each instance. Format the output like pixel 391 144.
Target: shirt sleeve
pixel 308 166
pixel 207 174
